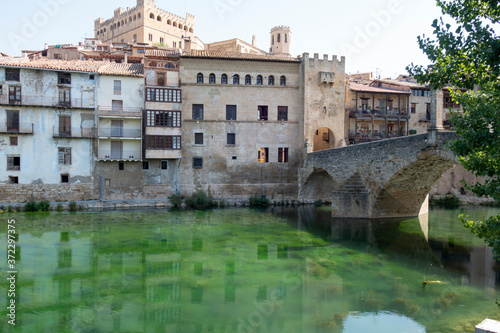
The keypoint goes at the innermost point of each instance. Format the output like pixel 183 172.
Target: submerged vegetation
pixel 256 201
pixel 449 201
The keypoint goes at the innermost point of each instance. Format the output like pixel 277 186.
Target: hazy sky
pixel 374 35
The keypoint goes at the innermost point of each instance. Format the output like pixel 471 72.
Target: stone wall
pixel 17 193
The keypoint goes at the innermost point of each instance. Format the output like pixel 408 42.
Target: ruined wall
pixel 233 170
pixel 322 88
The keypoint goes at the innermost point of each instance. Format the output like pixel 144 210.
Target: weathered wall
pixel 230 171
pixel 322 88
pixel 49 192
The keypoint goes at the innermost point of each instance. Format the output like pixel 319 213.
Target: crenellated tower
pixel 280 41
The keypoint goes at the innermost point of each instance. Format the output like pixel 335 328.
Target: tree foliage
pixel 465 57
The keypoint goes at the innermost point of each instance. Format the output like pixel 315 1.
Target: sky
pixel 378 36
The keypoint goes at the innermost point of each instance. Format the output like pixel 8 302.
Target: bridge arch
pixel 318 186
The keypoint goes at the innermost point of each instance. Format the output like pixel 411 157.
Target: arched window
pixel 152 16
pixel 248 79
pixel 236 79
pixel 123 22
pixel 175 24
pixel 130 19
pixel 185 28
pixel 273 40
pixel 286 38
pixel 169 22
pixel 139 15
pixel 259 80
pixel 279 38
pixel 158 18
pixel 98 33
pixel 199 78
pixel 211 78
pixel 191 30
pixel 283 80
pixel 118 24
pixel 104 29
pixel 271 80
pixel 180 26
pixel 223 79
pixel 135 17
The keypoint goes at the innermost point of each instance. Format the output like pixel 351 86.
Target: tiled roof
pixel 402 83
pixel 235 56
pixel 375 90
pixel 162 53
pixel 86 66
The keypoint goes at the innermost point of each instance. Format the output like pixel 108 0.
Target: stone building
pixel 147 24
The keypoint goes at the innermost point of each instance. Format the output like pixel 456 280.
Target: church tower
pixel 280 41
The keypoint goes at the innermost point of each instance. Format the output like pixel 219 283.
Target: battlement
pixel 123 14
pixel 281 27
pixel 317 60
pixel 172 15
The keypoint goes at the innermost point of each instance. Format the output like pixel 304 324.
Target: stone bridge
pixel 382 179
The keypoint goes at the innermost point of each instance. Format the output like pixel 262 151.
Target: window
pixel 64 78
pixel 91 77
pixel 236 79
pixel 64 178
pixel 150 37
pixel 163 142
pixel 283 80
pixel 231 139
pixel 14 163
pixel 117 89
pixel 121 166
pixel 286 38
pixel 163 95
pixel 428 111
pixel 279 38
pixel 152 16
pixel 65 97
pixel 145 165
pixel 197 163
pixel 164 165
pixel 248 80
pixel 230 112
pixel 259 80
pixel 413 107
pixel 13 121
pixel 198 138
pixel 158 18
pixel 13 180
pixel 199 78
pixel 223 79
pixel 64 126
pixel 262 113
pixel 273 40
pixel 13 141
pixel 57 56
pixel 211 78
pixel 198 111
pixel 271 80
pixel 12 74
pixel 161 40
pixel 282 113
pixel 264 155
pixel 160 79
pixel 64 156
pixel 283 155
pixel 163 118
pixel 14 95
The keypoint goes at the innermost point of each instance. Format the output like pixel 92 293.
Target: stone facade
pixel 47 192
pixel 145 23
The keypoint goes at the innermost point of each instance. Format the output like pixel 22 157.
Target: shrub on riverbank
pixel 43 206
pixel 449 201
pixel 175 200
pixel 200 201
pixel 256 201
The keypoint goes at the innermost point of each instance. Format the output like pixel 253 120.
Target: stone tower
pixel 280 41
pixel 145 3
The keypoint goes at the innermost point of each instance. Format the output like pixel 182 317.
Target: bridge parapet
pixel 388 178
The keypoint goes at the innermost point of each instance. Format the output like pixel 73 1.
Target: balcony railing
pixel 119 133
pixel 75 132
pixel 390 112
pixel 366 137
pixel 55 102
pixel 109 111
pixel 123 155
pixel 17 128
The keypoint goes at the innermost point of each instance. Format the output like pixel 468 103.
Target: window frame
pixel 264 150
pixel 283 80
pixel 282 113
pixel 260 80
pixel 198 139
pixel 236 79
pixel 64 156
pixel 197 162
pixel 197 116
pixel 117 87
pixel 212 78
pixel 263 113
pixel 233 140
pixel 163 95
pixel 160 118
pixel 163 142
pixel 248 80
pixel 15 95
pixel 64 78
pixel 224 79
pixel 230 112
pixel 13 74
pixel 283 154
pixel 14 163
pixel 163 163
pixel 200 78
pixel 271 80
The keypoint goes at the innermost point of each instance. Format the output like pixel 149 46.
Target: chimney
pixel 254 42
pixel 126 58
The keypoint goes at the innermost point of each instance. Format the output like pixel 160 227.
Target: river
pixel 245 270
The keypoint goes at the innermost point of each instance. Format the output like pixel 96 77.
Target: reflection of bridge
pixel 388 178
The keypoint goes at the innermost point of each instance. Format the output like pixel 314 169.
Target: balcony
pixel 152 154
pixel 378 112
pixel 117 155
pixel 121 112
pixel 17 128
pixel 117 132
pixel 53 102
pixel 361 137
pixel 75 133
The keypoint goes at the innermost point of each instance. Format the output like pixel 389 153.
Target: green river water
pixel 244 270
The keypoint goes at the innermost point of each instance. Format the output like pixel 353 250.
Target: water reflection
pixel 249 271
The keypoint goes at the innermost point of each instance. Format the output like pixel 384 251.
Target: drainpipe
pixel 100 187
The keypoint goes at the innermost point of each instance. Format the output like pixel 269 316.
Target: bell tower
pixel 280 41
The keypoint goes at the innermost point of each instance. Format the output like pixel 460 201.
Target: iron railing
pixel 55 102
pixel 75 132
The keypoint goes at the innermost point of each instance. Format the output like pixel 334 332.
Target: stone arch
pixel 152 16
pixel 318 186
pixel 135 17
pixel 405 192
pixel 169 22
pixel 180 26
pixel 323 139
pixel 191 30
pixel 185 28
pixel 174 24
pixel 130 19
pixel 139 15
pixel 158 18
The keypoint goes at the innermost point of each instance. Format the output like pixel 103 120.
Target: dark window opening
pixel 160 79
pixel 198 138
pixel 121 166
pixel 164 165
pixel 64 126
pixel 12 74
pixel 211 79
pixel 14 163
pixel 248 80
pixel 64 78
pixel 199 78
pixel 235 158
pixel 231 139
pixel 197 163
pixel 198 111
pixel 236 79
pixel 271 80
pixel 64 178
pixel 259 80
pixel 413 108
pixel 13 180
pixel 13 141
pixel 263 113
pixel 282 113
pixel 65 97
pixel 145 165
pixel 163 142
pixel 231 112
pixel 283 155
pixel 13 121
pixel 283 80
pixel 223 79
